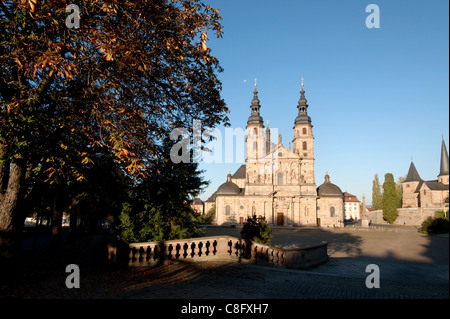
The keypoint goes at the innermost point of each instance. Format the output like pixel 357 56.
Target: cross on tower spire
pixel 255 117
pixel 302 106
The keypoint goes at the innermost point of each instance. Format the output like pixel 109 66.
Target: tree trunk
pixel 4 175
pixel 73 225
pixel 55 241
pixel 11 219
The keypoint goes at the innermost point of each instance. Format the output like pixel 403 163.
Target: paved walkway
pixel 241 281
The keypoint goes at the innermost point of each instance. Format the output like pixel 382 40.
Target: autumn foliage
pixel 114 87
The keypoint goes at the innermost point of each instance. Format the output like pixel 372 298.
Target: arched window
pixel 332 211
pixel 304 130
pixel 280 178
pixel 305 146
pixel 227 210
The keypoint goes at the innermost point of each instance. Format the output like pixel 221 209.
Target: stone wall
pixel 406 216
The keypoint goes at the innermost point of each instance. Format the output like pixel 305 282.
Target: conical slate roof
pixel 413 175
pixel 444 160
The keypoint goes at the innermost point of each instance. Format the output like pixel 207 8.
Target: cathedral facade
pixel 276 182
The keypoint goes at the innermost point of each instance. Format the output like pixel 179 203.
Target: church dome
pixel 328 189
pixel 255 119
pixel 302 119
pixel 228 188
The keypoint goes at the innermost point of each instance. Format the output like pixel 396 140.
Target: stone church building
pixel 425 194
pixel 276 182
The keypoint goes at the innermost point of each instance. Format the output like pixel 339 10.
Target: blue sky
pixel 377 97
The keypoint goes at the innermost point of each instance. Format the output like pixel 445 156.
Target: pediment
pixel 285 153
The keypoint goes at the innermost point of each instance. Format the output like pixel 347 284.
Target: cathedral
pixel 276 182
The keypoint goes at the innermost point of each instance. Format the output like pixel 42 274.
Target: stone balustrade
pixel 226 248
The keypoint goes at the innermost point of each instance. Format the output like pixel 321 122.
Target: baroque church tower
pixel 255 142
pixel 255 130
pixel 303 143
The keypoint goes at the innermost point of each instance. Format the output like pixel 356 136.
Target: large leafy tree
pixel 117 84
pixel 159 208
pixel 376 193
pixel 390 199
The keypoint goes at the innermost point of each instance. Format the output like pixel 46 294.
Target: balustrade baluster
pixel 243 250
pixel 169 251
pixel 207 245
pixel 156 252
pixel 200 246
pixel 177 249
pixel 151 254
pixel 236 249
pixel 214 247
pixel 131 254
pixel 254 253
